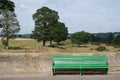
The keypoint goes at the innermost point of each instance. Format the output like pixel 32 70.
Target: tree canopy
pixel 60 32
pixel 47 26
pixel 6 5
pixel 80 38
pixel 8 21
pixel 44 18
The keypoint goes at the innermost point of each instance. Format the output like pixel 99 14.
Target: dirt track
pixel 114 76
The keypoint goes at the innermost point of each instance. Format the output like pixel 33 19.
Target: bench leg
pixel 53 71
pixel 107 72
pixel 81 72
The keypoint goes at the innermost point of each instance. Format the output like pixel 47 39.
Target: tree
pixel 80 38
pixel 110 38
pixel 116 40
pixel 8 21
pixel 44 19
pixel 95 38
pixel 60 32
pixel 6 5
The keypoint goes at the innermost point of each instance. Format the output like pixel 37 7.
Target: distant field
pixel 21 45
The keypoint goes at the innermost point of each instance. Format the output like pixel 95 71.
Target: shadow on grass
pixel 15 48
pixel 60 47
pixel 81 46
pixel 56 45
pixel 53 46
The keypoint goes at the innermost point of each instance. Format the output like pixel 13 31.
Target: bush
pixel 4 42
pixel 101 48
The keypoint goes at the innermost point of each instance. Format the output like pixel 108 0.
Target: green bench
pixel 79 65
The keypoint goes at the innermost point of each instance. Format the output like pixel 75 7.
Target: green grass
pixel 32 46
pixel 19 45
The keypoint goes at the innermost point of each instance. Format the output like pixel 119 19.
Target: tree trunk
pixel 50 42
pixel 7 37
pixel 7 42
pixel 44 42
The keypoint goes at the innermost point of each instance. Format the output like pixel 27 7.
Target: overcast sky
pixel 78 15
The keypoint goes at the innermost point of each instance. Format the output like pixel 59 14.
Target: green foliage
pixel 80 38
pixel 96 39
pixel 8 21
pixel 6 5
pixel 47 27
pixel 4 42
pixel 101 48
pixel 110 38
pixel 0 24
pixel 60 32
pixel 116 41
pixel 44 19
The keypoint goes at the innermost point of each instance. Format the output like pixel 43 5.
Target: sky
pixel 78 15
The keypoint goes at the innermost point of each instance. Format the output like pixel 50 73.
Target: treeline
pixel 19 35
pixel 82 37
pixel 107 38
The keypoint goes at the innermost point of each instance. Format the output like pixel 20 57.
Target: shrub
pixel 101 48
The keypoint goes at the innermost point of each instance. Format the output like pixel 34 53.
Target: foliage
pixel 116 41
pixel 44 19
pixel 6 5
pixel 8 21
pixel 101 48
pixel 110 38
pixel 80 38
pixel 95 39
pixel 60 32
pixel 47 27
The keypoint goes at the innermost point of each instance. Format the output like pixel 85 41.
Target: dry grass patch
pixel 32 46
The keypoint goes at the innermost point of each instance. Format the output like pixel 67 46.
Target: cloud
pixel 103 10
pixel 23 6
pixel 88 15
pixel 60 3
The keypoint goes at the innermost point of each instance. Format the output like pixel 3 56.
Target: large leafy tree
pixel 60 32
pixel 6 5
pixel 44 19
pixel 8 21
pixel 80 38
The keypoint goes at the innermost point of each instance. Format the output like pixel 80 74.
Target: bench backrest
pixel 80 62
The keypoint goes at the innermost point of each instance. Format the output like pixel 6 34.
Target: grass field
pixel 32 46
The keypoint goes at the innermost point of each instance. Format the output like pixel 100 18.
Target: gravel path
pixel 113 76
